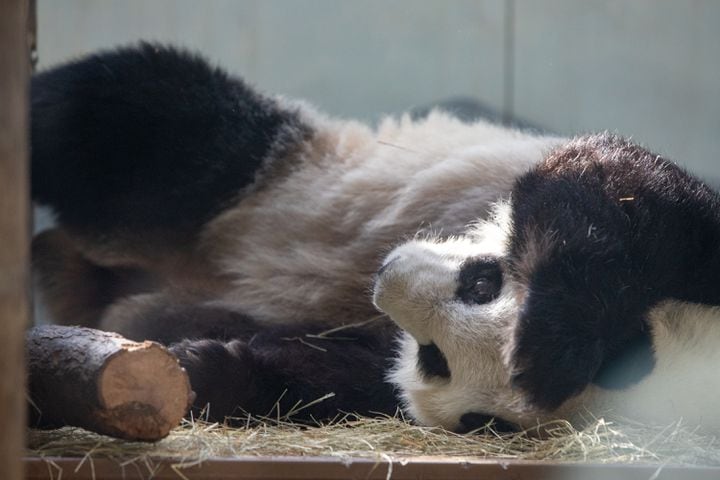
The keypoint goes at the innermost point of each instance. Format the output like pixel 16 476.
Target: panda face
pixel 457 308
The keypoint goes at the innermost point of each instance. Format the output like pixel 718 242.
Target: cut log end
pixel 105 383
pixel 143 391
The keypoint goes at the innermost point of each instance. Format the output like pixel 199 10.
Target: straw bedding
pixel 386 439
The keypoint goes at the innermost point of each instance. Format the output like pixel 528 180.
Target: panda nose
pixel 409 286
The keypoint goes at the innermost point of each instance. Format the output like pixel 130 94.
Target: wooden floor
pixel 326 468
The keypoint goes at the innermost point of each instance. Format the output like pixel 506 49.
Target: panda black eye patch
pixel 480 280
pixel 432 362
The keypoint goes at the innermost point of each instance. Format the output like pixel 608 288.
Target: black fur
pixel 480 280
pixel 240 366
pixel 148 138
pixel 273 370
pixel 628 230
pixel 432 362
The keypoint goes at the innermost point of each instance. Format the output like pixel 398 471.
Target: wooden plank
pixel 14 231
pixel 330 468
pixel 32 38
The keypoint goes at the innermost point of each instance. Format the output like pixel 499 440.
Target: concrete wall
pixel 645 68
pixel 351 58
pixel 649 69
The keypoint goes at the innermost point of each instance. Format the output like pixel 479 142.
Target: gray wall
pixel 646 68
pixel 649 69
pixel 351 58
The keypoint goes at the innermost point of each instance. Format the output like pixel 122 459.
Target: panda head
pixel 457 308
pixel 520 317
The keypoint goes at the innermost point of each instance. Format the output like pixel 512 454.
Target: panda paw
pixel 221 375
pixel 552 358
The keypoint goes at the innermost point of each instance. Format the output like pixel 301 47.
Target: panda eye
pixel 484 290
pixel 480 280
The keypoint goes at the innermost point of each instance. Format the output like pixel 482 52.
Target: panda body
pixel 309 242
pixel 246 233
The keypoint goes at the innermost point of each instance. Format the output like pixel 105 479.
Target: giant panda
pixel 465 272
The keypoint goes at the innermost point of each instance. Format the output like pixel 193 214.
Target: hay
pixel 387 438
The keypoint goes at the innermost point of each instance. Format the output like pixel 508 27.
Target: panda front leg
pixel 290 373
pixel 136 149
pixel 238 365
pixel 603 230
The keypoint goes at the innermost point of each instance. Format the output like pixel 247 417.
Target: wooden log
pixel 14 232
pixel 104 382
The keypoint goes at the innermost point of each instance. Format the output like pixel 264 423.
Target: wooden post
pixel 14 232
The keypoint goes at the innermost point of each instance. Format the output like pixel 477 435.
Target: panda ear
pixel 563 338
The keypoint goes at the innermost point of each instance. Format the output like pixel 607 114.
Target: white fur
pixel 306 246
pixel 685 383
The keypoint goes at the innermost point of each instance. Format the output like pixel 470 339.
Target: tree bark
pixel 103 382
